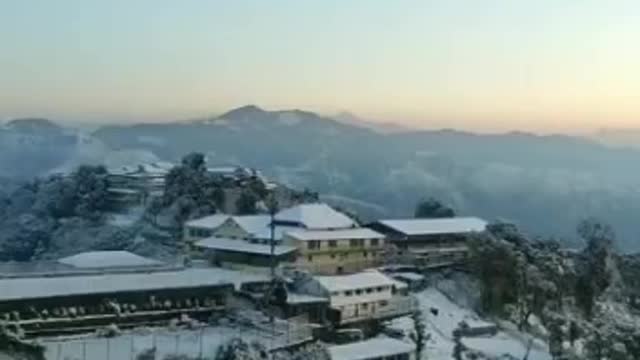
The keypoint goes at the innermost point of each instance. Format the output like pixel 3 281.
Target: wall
pixel 343 258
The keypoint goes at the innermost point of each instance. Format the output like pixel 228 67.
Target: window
pixel 333 256
pixel 365 254
pixel 333 243
pixel 380 288
pixel 356 242
pixel 358 292
pixel 311 245
pixel 348 293
pixel 383 303
pixel 365 306
pixel 374 242
pixel 310 258
pixel 369 290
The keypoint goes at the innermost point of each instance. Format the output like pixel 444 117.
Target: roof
pixel 295 298
pixel 107 259
pixel 457 225
pixel 369 349
pixel 411 276
pixel 43 287
pixel 216 243
pixel 208 222
pixel 316 216
pixel 361 280
pixel 355 233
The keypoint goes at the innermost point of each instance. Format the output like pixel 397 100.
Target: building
pixel 310 237
pixel 120 288
pixel 315 216
pixel 379 348
pixel 364 296
pixel 336 251
pixel 431 242
pixel 245 254
pixel 136 184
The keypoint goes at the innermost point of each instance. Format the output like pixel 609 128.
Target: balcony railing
pixel 396 307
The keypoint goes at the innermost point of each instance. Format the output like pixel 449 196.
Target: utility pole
pixel 273 208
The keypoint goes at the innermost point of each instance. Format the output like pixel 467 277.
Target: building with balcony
pixel 364 296
pixel 431 242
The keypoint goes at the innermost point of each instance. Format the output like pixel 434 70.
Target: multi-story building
pixel 336 251
pixel 310 237
pixel 431 242
pixel 363 296
pixel 136 184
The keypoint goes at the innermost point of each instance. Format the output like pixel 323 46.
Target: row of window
pixel 358 292
pixel 195 232
pixel 343 256
pixel 316 244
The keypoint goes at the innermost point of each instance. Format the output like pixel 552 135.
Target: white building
pixel 380 348
pixel 367 295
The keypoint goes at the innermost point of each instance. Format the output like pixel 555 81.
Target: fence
pixel 198 343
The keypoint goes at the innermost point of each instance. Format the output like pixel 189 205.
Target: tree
pixel 246 203
pixel 432 208
pixel 419 335
pixel 238 349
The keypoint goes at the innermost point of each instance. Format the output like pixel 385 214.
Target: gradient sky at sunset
pixel 541 65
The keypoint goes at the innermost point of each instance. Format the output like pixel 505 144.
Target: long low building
pixel 83 299
pixel 431 242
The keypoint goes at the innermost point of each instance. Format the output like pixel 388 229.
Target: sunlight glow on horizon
pixel 543 66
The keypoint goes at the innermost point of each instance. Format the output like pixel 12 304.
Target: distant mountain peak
pixel 244 112
pixel 32 125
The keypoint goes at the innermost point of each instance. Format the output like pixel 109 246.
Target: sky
pixel 538 65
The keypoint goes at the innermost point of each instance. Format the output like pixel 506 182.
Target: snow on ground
pixel 192 343
pixel 4 356
pixel 449 315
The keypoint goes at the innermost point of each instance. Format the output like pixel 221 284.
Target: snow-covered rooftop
pixel 456 225
pixel 379 347
pixel 411 276
pixel 42 287
pixel 156 168
pixel 216 243
pixel 361 280
pixel 107 259
pixel 208 222
pixel 295 298
pixel 316 216
pixel 355 233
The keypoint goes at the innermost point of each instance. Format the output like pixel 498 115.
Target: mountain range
pixel 545 184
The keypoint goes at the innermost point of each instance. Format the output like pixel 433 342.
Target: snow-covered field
pixel 449 315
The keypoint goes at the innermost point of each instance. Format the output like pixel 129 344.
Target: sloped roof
pixel 380 347
pixel 361 280
pixel 208 222
pixel 244 246
pixel 107 259
pixel 458 225
pixel 316 216
pixel 355 233
pixel 49 286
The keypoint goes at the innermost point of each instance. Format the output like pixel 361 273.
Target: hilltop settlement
pixel 252 269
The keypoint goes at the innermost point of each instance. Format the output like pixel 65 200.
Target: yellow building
pixel 336 251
